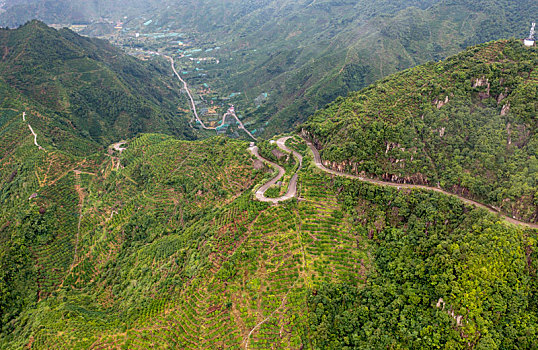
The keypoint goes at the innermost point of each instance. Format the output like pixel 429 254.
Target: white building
pixel 530 40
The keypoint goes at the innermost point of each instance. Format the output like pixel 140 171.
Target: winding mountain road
pixel 292 186
pixel 117 146
pixel 230 112
pixel 319 164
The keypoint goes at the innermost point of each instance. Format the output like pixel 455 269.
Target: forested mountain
pixel 83 88
pixel 306 53
pixel 159 243
pixel 467 124
pixel 305 63
pixel 18 12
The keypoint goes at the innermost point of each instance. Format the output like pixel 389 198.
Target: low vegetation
pixel 134 250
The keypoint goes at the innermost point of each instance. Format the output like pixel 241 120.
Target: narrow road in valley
pixel 229 113
pixel 32 131
pixel 292 186
pixel 260 193
pixel 319 164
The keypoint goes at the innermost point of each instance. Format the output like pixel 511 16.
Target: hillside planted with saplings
pixel 466 124
pixel 80 236
pixel 146 256
pixel 90 88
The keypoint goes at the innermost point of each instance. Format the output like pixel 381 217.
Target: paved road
pixel 319 164
pixel 292 186
pixel 230 112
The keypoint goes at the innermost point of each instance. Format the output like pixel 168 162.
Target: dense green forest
pixel 443 276
pixel 466 124
pixel 86 87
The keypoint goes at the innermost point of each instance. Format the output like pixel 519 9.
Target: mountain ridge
pixel 410 119
pixel 88 85
pixel 304 54
pixel 156 242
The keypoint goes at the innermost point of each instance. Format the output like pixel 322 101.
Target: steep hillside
pixel 71 223
pixel 304 54
pixel 85 87
pixel 162 246
pixel 158 243
pixel 467 124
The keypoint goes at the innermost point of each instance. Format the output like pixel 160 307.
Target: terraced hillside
pixel 82 225
pixel 135 251
pixel 467 125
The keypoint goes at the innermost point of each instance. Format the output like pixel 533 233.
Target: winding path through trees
pixel 292 186
pixel 230 112
pixel 319 164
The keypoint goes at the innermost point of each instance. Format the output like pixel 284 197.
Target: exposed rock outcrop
pixel 505 109
pixel 440 103
pixel 480 82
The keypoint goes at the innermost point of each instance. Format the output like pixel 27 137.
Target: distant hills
pixel 18 12
pixel 467 124
pixel 306 53
pixel 306 63
pixel 84 88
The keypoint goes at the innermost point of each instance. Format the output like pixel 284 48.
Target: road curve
pixel 230 112
pixel 292 186
pixel 117 146
pixel 319 164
